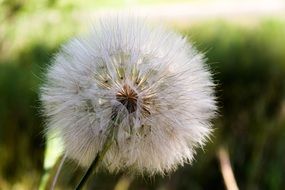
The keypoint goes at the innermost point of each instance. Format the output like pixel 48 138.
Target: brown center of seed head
pixel 128 97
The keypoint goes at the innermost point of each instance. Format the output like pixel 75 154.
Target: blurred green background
pixel 246 55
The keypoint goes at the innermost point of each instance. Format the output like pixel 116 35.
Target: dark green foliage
pixel 21 138
pixel 250 72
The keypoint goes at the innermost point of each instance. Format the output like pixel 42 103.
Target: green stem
pixel 96 162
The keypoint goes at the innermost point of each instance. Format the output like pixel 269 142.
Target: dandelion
pixel 146 83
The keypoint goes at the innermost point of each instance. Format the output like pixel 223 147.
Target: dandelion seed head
pixel 151 78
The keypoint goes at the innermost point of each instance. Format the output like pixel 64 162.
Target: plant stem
pixel 226 169
pixel 58 172
pixel 92 167
pixel 96 162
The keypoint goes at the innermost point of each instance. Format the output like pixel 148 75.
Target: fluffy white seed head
pixel 151 77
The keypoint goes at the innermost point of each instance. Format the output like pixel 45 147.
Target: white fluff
pixel 172 91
